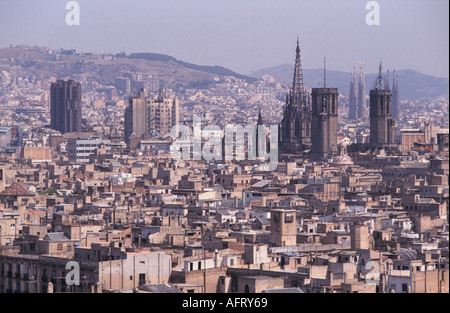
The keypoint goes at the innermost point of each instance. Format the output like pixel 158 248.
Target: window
pixel 247 289
pixel 405 287
pixel 289 218
pixel 276 217
pixel 141 278
pixel 199 265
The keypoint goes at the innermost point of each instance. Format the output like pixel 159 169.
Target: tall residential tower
pixel 65 106
pixel 153 117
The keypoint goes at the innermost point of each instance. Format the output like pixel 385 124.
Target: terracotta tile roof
pixel 16 189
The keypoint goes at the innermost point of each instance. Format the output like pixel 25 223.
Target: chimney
pixel 216 258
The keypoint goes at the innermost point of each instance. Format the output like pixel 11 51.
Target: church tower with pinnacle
pixel 295 127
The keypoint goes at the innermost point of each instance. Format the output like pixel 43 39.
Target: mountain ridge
pixel 61 63
pixel 413 85
pixel 35 60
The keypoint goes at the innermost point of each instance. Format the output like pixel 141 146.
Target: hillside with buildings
pixel 43 64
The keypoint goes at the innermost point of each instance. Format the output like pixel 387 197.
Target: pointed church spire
pixel 362 107
pixel 388 83
pixel 353 96
pixel 297 84
pixel 295 127
pixel 395 97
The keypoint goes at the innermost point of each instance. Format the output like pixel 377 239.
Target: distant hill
pixel 413 85
pixel 44 63
pixel 218 70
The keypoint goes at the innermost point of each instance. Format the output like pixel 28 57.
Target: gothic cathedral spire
pixel 295 130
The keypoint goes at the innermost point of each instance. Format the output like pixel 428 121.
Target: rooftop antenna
pixel 324 72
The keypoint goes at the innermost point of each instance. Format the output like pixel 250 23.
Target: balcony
pixel 400 273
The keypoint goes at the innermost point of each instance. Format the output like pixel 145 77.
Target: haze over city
pixel 243 36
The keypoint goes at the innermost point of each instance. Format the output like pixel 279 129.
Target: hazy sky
pixel 243 35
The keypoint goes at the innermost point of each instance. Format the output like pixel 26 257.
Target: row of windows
pixel 404 287
pixel 8 269
pixel 87 145
pixel 86 151
pixel 415 207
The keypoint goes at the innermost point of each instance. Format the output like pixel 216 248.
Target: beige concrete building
pixel 48 272
pixel 148 116
pixel 359 236
pixel 283 227
pixel 257 284
pixel 36 153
